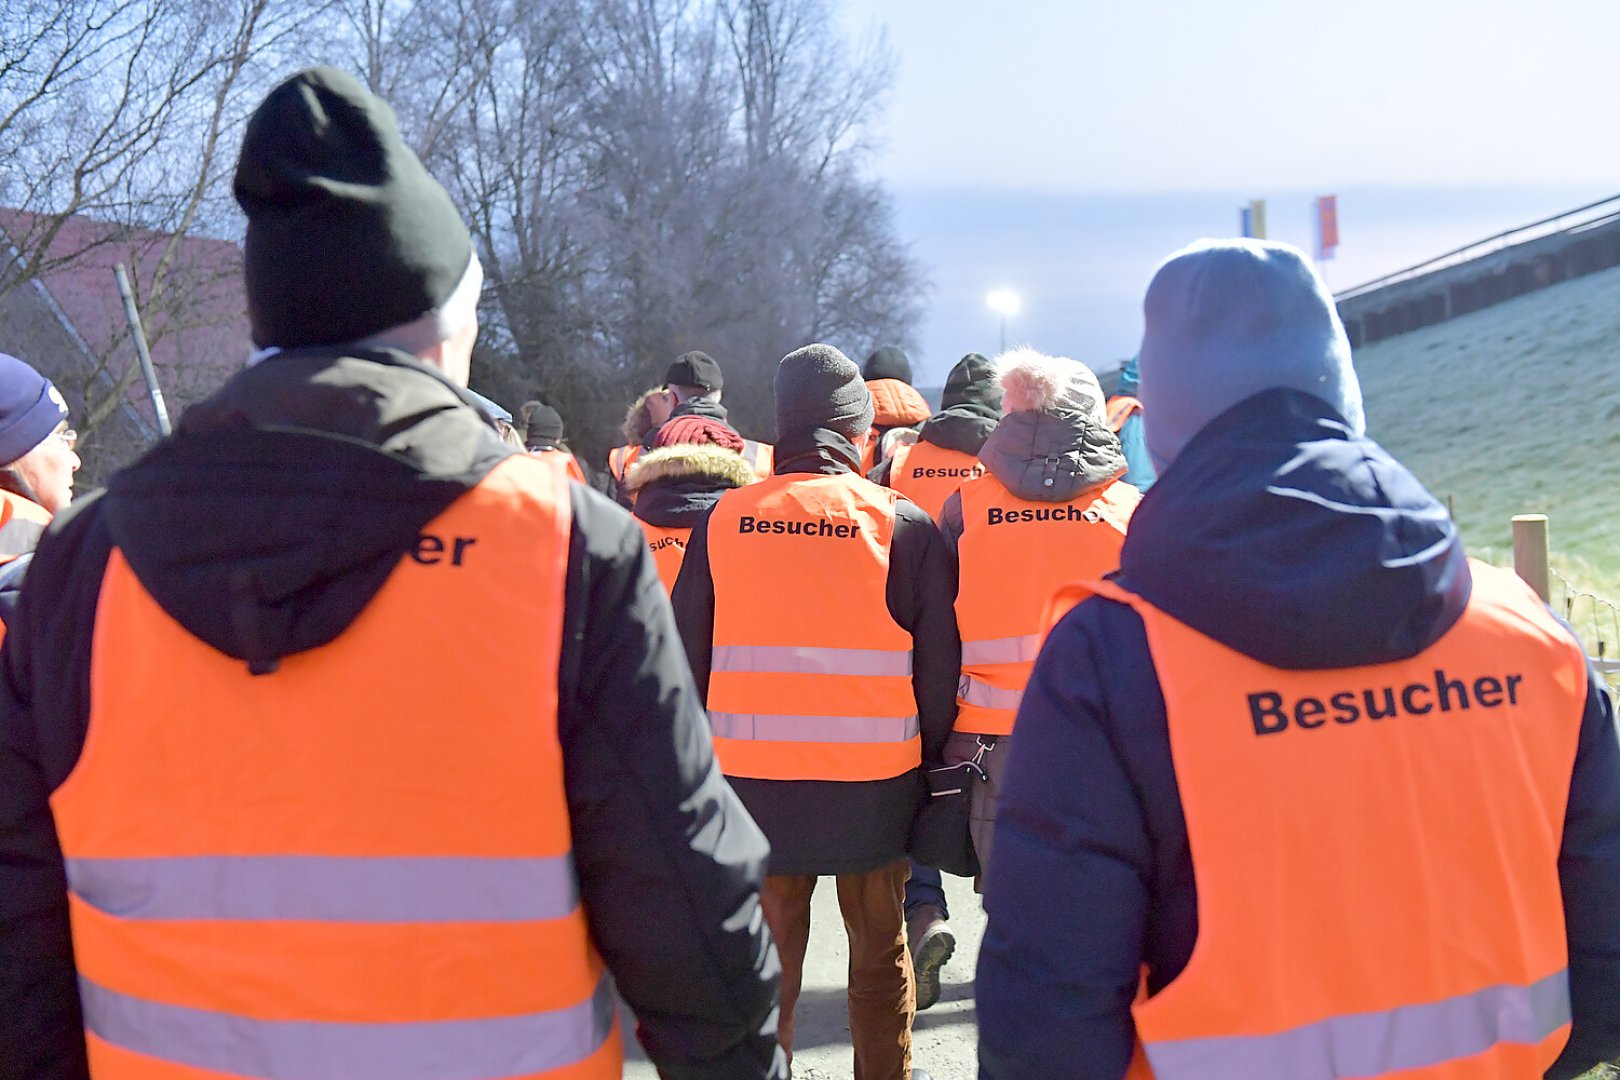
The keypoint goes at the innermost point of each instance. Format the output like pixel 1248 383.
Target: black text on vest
pixel 998 516
pixel 432 550
pixel 820 527
pixel 1270 712
pixel 667 541
pixel 970 472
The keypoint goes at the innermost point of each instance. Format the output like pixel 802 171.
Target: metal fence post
pixel 1530 552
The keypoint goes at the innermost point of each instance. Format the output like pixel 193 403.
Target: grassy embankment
pixel 1513 410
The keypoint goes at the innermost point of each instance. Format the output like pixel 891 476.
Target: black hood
pixel 281 504
pixel 1282 535
pixel 971 407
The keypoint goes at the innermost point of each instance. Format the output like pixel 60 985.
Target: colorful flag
pixel 1327 226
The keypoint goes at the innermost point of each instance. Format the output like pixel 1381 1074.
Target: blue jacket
pixel 1279 534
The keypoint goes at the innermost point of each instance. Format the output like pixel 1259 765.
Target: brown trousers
pixel 882 994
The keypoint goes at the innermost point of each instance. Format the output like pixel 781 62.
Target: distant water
pixel 1081 261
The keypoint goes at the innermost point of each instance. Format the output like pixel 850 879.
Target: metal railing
pixel 1501 239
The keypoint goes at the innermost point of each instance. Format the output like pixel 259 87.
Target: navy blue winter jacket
pixel 1279 534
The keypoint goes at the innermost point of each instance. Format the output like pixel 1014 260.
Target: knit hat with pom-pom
pixel 1032 381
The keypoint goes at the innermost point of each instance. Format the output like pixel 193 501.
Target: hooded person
pixel 895 402
pixel 677 483
pixel 1125 418
pixel 1051 508
pixel 947 448
pixel 693 384
pixel 331 813
pixel 816 611
pixel 1338 801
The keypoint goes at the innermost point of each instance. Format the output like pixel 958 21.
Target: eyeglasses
pixel 69 437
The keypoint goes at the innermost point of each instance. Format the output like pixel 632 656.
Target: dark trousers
pixel 925 887
pixel 882 995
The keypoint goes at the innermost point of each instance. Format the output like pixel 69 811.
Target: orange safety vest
pixel 810 676
pixel 620 458
pixel 359 864
pixel 22 523
pixel 570 463
pixel 928 474
pixel 1375 851
pixel 761 457
pixel 668 547
pixel 1014 555
pixel 1120 409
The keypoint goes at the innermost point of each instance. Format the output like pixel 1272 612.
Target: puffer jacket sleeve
pixel 1589 874
pixel 1084 891
pixel 669 861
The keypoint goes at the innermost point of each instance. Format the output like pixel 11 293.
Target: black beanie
pixel 889 362
pixel 972 382
pixel 348 235
pixel 695 369
pixel 542 425
pixel 819 387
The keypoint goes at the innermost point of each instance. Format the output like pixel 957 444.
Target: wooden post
pixel 1530 551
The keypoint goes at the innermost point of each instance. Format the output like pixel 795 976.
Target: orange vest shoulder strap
pixel 1120 409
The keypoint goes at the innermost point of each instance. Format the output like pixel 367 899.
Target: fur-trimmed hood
pixel 674 486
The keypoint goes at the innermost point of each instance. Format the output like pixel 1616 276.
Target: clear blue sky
pixel 1062 148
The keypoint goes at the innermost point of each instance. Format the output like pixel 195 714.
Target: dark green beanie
pixel 972 382
pixel 348 235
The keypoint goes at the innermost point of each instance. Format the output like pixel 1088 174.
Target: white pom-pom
pixel 1034 381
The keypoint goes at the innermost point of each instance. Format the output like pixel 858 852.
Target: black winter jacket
pixel 314 472
pixel 830 827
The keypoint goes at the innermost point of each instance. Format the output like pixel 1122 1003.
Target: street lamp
pixel 1005 302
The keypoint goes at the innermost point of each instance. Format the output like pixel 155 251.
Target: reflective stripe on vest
pixel 668 548
pixel 1010 566
pixel 360 864
pixel 810 676
pixel 620 458
pixel 1375 851
pixel 22 523
pixel 761 457
pixel 928 474
pixel 1120 409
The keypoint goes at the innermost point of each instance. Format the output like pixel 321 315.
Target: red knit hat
pixel 700 430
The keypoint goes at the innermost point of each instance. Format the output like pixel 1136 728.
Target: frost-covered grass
pixel 1513 410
